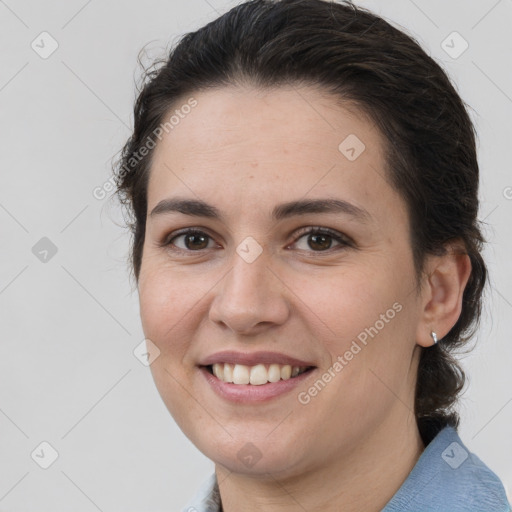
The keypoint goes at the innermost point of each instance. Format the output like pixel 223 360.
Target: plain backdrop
pixel 69 314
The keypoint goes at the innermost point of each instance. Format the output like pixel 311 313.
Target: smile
pixel 256 375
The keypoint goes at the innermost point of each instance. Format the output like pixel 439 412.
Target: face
pixel 330 290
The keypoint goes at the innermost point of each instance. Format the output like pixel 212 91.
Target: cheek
pixel 362 317
pixel 163 312
pixel 344 302
pixel 166 306
pixel 167 299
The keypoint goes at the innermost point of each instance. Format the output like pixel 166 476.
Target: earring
pixel 434 337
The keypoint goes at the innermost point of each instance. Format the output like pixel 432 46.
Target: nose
pixel 251 297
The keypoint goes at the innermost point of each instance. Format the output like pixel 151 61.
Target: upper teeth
pixel 256 375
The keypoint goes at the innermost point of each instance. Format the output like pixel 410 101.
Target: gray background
pixel 68 375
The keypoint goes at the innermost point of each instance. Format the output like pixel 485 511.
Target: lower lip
pixel 246 393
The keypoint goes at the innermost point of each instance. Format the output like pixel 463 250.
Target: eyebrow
pixel 199 208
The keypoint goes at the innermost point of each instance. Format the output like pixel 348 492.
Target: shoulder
pixel 448 477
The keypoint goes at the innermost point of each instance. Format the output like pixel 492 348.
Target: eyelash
pixel 316 230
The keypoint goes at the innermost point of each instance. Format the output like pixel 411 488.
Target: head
pixel 299 100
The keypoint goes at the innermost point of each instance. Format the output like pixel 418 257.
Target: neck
pixel 365 478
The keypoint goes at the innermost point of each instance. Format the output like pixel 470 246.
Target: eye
pixel 193 240
pixel 320 239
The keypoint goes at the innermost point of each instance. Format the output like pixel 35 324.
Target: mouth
pixel 255 375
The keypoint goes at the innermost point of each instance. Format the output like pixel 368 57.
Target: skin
pixel 352 446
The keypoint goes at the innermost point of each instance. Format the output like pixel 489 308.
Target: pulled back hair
pixel 430 150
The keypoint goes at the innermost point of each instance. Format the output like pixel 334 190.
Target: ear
pixel 442 289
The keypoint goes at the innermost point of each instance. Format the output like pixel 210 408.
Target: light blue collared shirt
pixel 446 478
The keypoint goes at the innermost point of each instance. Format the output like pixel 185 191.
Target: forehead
pixel 283 119
pixel 254 146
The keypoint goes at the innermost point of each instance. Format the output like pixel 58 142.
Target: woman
pixel 303 183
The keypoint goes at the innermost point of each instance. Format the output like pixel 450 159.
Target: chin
pixel 256 463
pixel 251 454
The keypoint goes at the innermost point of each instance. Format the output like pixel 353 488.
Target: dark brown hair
pixel 360 58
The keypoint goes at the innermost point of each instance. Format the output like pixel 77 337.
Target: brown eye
pixel 193 240
pixel 321 239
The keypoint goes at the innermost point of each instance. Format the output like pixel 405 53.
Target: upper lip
pixel 252 358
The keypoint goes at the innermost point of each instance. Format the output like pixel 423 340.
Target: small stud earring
pixel 434 337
